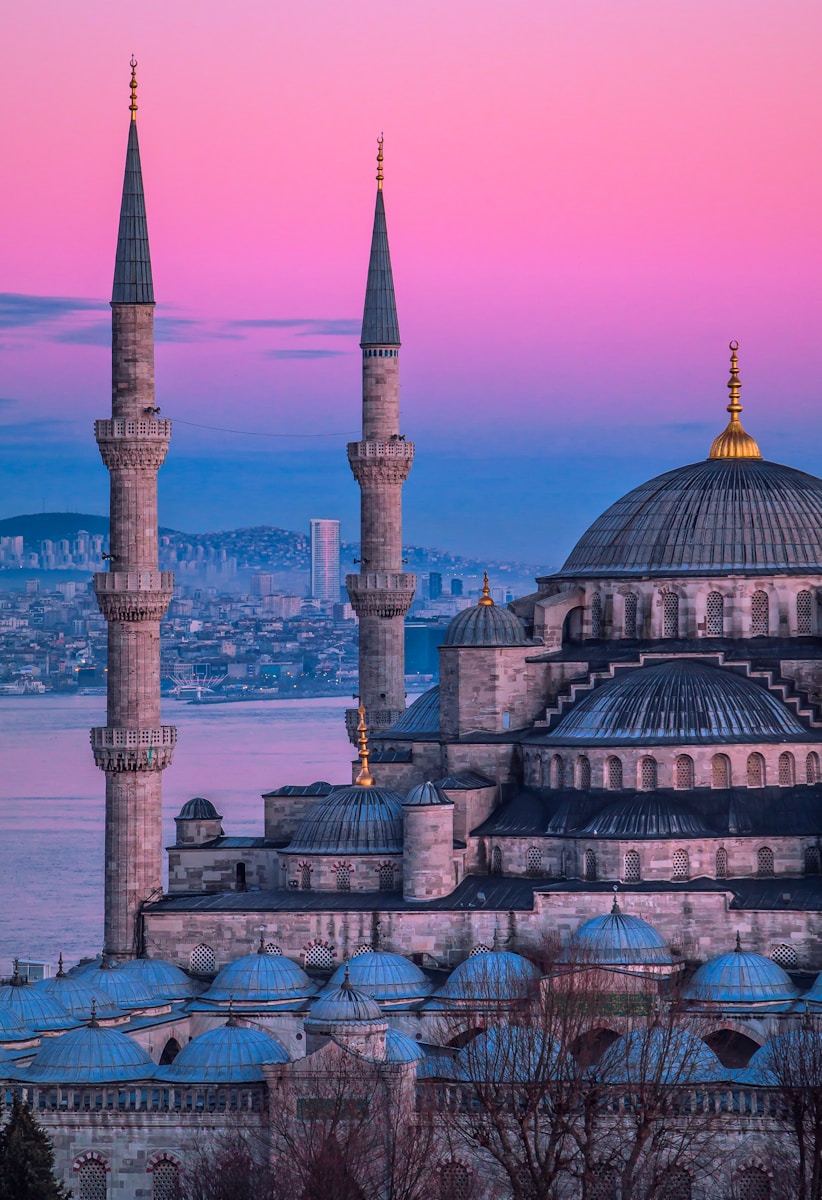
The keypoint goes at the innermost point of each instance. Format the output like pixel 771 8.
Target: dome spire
pixel 133 105
pixel 365 778
pixel 734 442
pixel 485 599
pixel 380 157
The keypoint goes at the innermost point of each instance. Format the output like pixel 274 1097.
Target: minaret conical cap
pixel 380 326
pixel 132 266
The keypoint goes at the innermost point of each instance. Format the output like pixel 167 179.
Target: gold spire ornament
pixel 380 157
pixel 365 778
pixel 485 599
pixel 133 105
pixel 734 442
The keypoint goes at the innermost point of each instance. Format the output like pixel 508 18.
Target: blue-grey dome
pixel 198 809
pixel 424 795
pixel 8 1067
pixel 681 701
pixel 814 996
pixel 383 976
pixel 90 1055
pixel 484 625
pixel 125 989
pixel 740 978
pixel 343 1003
pixel 651 816
pixel 36 1009
pixel 78 998
pixel 230 1053
pixel 493 976
pixel 788 1058
pixel 260 979
pixel 741 515
pixel 401 1048
pixel 12 1029
pixel 164 980
pixel 509 1054
pixel 665 1056
pixel 422 715
pixel 619 939
pixel 352 820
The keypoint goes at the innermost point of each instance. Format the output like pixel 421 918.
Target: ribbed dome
pixel 680 701
pixel 401 1048
pixel 652 816
pixel 491 976
pixel 228 1054
pixel 259 978
pixel 422 716
pixel 383 976
pixel 343 1003
pixel 124 988
pixel 424 795
pixel 90 1055
pixel 484 625
pixel 509 1054
pixel 814 996
pixel 164 980
pixel 78 998
pixel 198 809
pixel 12 1028
pixel 741 978
pixel 36 1009
pixel 352 820
pixel 724 514
pixel 666 1056
pixel 619 939
pixel 781 1059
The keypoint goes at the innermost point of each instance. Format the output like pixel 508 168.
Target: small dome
pixel 77 998
pixel 485 624
pixel 492 976
pixel 650 816
pixel 230 1053
pixel 90 1055
pixel 35 1009
pixel 740 978
pixel 164 980
pixel 383 976
pixel 401 1048
pixel 124 988
pixel 198 809
pixel 425 795
pixel 259 979
pixel 352 820
pixel 684 700
pixel 814 996
pixel 667 1056
pixel 422 716
pixel 619 939
pixel 509 1054
pixel 342 1004
pixel 781 1059
pixel 12 1028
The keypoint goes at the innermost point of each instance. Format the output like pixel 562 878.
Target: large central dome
pixel 713 517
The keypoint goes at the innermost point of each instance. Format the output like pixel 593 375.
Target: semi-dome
pixel 164 980
pixel 741 978
pixel 814 996
pixel 198 809
pixel 383 976
pixel 619 939
pixel 741 515
pixel 492 976
pixel 651 816
pixel 35 1009
pixel 484 624
pixel 343 1003
pixel 124 988
pixel 231 1053
pixel 684 700
pixel 425 795
pixel 90 1055
pixel 400 1048
pixel 78 998
pixel 259 979
pixel 360 819
pixel 666 1055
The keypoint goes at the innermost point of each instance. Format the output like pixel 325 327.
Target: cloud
pixel 166 329
pixel 305 326
pixel 18 311
pixel 303 353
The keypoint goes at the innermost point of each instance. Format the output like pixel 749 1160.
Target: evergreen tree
pixel 27 1159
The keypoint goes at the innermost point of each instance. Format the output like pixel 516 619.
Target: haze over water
pixel 52 799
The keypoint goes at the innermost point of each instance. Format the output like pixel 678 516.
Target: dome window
pixel 760 617
pixel 756 771
pixel 812 858
pixel 632 872
pixel 613 773
pixel 202 959
pixel 343 878
pixel 670 615
pixel 629 628
pixel 557 773
pixel 720 771
pixel 684 772
pixel 496 861
pixel 764 862
pixel 590 866
pixel 681 868
pixel 812 767
pixel 715 615
pixel 596 615
pixel 785 957
pixel 648 773
pixel 583 772
pixel 533 860
pixel 804 621
pixel 722 863
pixel 753 1184
pixel 385 880
pixel 787 770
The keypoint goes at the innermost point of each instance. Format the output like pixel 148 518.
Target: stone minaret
pixel 133 747
pixel 382 592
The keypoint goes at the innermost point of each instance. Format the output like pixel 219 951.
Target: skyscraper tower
pixel 133 747
pixel 382 592
pixel 325 560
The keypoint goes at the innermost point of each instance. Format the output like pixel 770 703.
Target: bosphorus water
pixel 52 798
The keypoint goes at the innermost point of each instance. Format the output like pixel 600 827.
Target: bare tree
pixel 791 1064
pixel 231 1164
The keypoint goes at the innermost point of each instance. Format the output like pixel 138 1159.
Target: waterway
pixel 52 799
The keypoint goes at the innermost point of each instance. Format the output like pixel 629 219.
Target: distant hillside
pixel 38 527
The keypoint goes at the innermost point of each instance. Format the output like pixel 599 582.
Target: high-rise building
pixel 434 585
pixel 262 584
pixel 456 587
pixel 325 560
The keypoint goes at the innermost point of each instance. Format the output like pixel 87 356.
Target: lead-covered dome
pixel 666 1056
pixel 618 939
pixel 198 809
pixel 231 1053
pixel 685 700
pixel 491 976
pixel 260 978
pixel 360 819
pixel 35 1009
pixel 651 816
pixel 383 976
pixel 484 624
pixel 90 1055
pixel 743 515
pixel 741 978
pixel 165 980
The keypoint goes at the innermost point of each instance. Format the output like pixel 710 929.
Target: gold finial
pixel 380 157
pixel 133 105
pixel 734 442
pixel 485 599
pixel 365 778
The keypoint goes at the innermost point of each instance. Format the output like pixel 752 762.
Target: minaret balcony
pixel 378 719
pixel 384 594
pixel 139 444
pixel 381 462
pixel 133 595
pixel 133 749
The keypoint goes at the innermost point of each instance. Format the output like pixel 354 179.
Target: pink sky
pixel 586 201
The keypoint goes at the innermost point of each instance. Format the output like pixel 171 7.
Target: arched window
pixel 812 860
pixel 675 1184
pixel 613 773
pixel 363 948
pixel 165 1181
pixel 273 948
pixel 785 956
pixel 170 1051
pixel 583 772
pixel 603 1185
pixel 596 615
pixel 722 863
pixel 305 877
pixel 202 959
pixel 92 1181
pixel 720 771
pixel 787 770
pixel 756 770
pixel 753 1184
pixel 533 860
pixel 683 771
pixel 496 861
pixel 455 1182
pixel 386 877
pixel 319 955
pixel 557 772
pixel 631 872
pixel 647 773
pixel 715 615
pixel 812 767
pixel 480 948
pixel 680 865
pixel 670 615
pixel 239 875
pixel 343 878
pixel 760 620
pixel 590 866
pixel 804 621
pixel 764 861
pixel 630 615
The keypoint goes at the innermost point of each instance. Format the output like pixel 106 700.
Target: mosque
pixel 646 722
